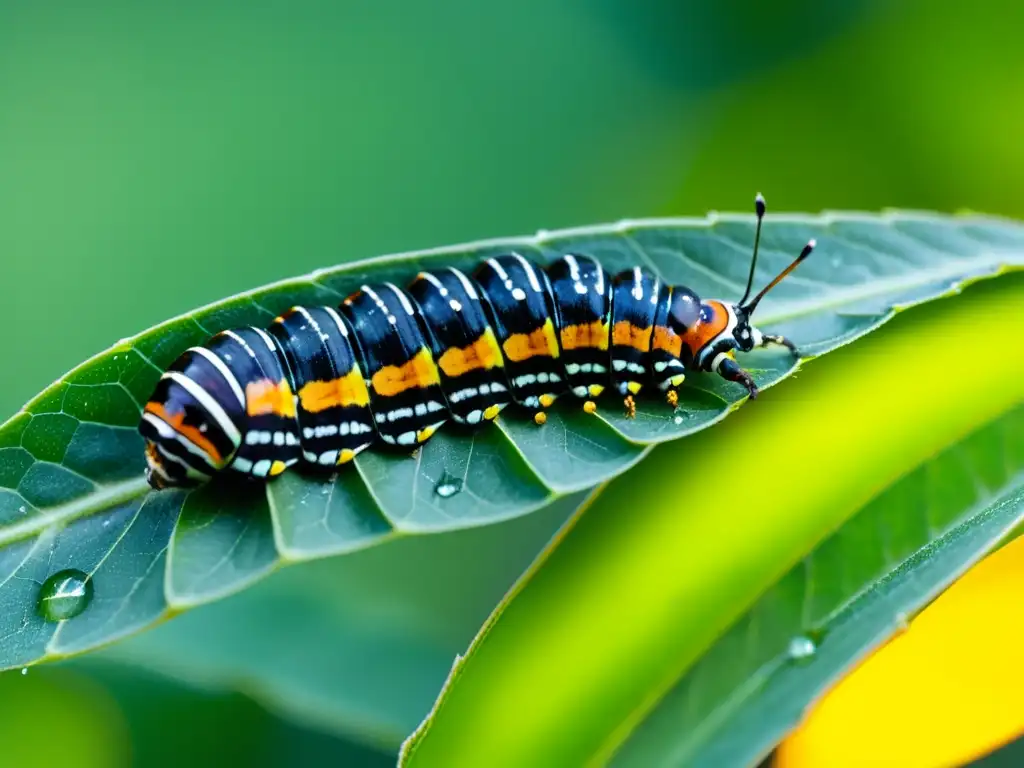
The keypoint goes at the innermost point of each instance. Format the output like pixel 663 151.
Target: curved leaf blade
pixel 73 453
pixel 607 622
pixel 396 616
pixel 848 595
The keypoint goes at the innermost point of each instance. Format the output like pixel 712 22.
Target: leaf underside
pixel 847 596
pixel 71 487
pixel 395 617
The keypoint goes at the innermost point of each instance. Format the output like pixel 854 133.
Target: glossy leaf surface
pixel 851 592
pixel 674 554
pixel 71 487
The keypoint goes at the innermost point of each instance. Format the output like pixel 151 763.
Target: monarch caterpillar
pixel 323 383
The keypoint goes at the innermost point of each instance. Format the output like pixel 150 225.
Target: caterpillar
pixel 323 383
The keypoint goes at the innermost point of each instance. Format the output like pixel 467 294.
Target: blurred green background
pixel 154 157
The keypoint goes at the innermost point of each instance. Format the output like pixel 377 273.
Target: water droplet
pixel 678 420
pixel 801 647
pixel 64 595
pixel 23 509
pixel 24 671
pixel 448 486
pixel 902 622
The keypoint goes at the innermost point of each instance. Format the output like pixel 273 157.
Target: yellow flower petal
pixel 948 690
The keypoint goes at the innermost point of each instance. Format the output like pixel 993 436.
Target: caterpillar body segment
pixel 392 364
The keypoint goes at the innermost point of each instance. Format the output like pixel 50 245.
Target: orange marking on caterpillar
pixel 264 397
pixel 176 421
pixel 625 334
pixel 418 371
pixel 666 339
pixel 350 389
pixel 523 346
pixel 585 336
pixel 482 353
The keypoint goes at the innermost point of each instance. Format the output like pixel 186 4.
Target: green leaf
pixel 72 494
pixel 112 716
pixel 847 596
pixel 356 645
pixel 621 613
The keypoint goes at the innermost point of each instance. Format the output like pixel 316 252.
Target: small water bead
pixel 64 595
pixel 448 486
pixel 678 420
pixel 24 671
pixel 801 647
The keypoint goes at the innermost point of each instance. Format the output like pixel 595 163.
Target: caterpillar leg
pixel 630 405
pixel 780 340
pixel 672 398
pixel 730 370
pixel 545 401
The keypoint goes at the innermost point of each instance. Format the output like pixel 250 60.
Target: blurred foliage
pixel 61 718
pixel 155 157
pixel 705 47
pixel 99 715
pixel 916 105
pixel 357 645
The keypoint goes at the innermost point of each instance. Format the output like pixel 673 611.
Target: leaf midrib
pixel 107 496
pixel 950 269
pixel 623 228
pixel 127 490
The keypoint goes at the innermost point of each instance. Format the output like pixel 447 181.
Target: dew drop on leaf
pixel 801 647
pixel 678 420
pixel 448 486
pixel 902 621
pixel 24 671
pixel 64 595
